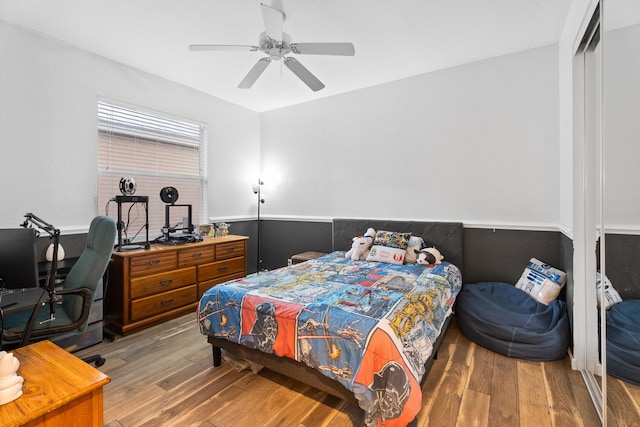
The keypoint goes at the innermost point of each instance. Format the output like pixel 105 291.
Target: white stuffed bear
pixel 428 256
pixel 361 246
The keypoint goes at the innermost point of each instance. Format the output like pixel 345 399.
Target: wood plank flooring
pixel 164 376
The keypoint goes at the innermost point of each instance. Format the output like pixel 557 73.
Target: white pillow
pixel 541 281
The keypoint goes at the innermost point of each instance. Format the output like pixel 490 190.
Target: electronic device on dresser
pixel 175 235
pixel 18 265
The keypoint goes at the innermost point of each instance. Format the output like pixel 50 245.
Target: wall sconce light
pixel 257 189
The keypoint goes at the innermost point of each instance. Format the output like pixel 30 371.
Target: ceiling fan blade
pixel 303 74
pixel 273 19
pixel 254 73
pixel 197 47
pixel 346 49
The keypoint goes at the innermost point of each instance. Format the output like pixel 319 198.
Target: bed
pixel 363 331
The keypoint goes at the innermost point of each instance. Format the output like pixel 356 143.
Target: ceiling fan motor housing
pixel 276 49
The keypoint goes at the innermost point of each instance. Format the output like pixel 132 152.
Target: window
pixel 157 151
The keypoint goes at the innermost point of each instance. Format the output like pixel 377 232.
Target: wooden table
pixel 306 256
pixel 59 390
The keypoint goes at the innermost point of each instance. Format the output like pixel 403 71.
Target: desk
pixel 32 299
pixel 59 390
pixel 64 267
pixel 23 300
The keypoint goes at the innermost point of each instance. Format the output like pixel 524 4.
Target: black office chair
pixel 72 302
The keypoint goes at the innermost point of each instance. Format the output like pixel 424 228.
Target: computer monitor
pixel 18 261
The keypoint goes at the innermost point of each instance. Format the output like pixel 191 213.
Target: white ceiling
pixel 393 39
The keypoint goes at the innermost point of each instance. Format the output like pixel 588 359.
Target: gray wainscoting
pixel 494 255
pixel 623 264
pixel 490 255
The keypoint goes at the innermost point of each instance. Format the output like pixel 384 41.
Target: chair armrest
pixel 83 292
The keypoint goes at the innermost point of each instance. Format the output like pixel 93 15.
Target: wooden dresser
pixel 59 390
pixel 147 287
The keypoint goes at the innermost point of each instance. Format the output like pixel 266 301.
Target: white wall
pixel 476 143
pixel 48 130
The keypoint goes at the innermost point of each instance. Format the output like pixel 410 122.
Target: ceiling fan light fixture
pixel 277 44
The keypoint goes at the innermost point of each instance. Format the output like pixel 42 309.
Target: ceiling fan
pixel 277 44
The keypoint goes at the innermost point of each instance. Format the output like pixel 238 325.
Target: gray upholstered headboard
pixel 448 237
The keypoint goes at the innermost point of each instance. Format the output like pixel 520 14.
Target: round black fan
pixel 169 195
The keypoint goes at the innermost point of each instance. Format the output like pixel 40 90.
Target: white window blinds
pixel 157 151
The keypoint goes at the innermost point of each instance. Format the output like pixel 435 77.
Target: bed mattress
pixel 370 326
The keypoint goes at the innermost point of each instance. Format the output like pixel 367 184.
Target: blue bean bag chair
pixel 623 341
pixel 505 319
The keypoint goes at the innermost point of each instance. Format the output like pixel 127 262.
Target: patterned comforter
pixel 370 326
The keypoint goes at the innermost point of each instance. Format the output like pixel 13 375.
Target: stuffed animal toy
pixel 428 256
pixel 416 244
pixel 361 246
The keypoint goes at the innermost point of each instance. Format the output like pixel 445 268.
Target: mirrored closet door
pixel 589 243
pixel 621 106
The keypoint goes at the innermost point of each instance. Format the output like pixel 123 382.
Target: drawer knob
pixel 166 282
pixel 167 302
pixel 154 261
pixel 230 249
pixel 223 268
pixel 197 254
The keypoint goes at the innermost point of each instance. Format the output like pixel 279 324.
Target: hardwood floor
pixel 164 376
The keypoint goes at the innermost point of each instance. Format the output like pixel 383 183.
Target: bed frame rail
pixel 299 371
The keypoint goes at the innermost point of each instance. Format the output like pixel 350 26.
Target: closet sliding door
pixel 621 42
pixel 589 242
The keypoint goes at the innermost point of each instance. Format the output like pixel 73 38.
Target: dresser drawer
pixel 162 282
pixel 195 256
pixel 205 286
pixel 153 263
pixel 229 250
pixel 220 268
pixel 166 301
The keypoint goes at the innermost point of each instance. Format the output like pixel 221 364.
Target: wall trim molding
pixel 236 218
pixel 512 226
pixel 74 229
pixel 467 224
pixel 623 229
pixel 520 226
